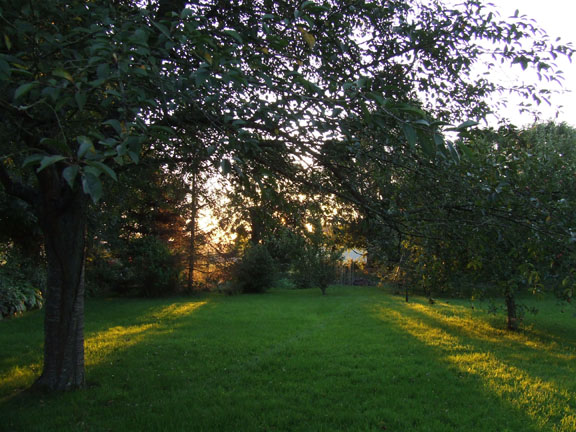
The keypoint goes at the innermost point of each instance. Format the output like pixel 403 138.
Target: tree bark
pixel 511 309
pixel 192 224
pixel 256 225
pixel 63 215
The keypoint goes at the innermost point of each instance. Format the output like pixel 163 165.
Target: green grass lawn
pixel 358 359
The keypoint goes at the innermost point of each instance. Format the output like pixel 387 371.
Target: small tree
pixel 256 272
pixel 316 261
pixel 315 267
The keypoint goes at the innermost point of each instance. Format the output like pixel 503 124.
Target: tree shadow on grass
pixel 525 370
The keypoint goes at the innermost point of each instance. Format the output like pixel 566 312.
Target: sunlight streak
pixel 98 346
pixel 104 343
pixel 177 310
pixel 547 405
pixel 18 377
pixel 482 330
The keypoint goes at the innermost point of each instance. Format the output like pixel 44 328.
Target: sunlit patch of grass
pixel 103 343
pixel 549 405
pixel 177 310
pixel 545 402
pixel 19 377
pixel 473 326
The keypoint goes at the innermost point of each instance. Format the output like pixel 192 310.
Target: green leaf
pixel 160 128
pixel 162 28
pixel 102 167
pixel 70 174
pixel 225 166
pixel 5 71
pixel 410 108
pixel 429 147
pixel 32 160
pixel 80 100
pixel 103 71
pixel 57 146
pixel 122 149
pixel 422 122
pixel 234 34
pixel 307 36
pixel 24 89
pixel 115 124
pixel 411 135
pixel 140 37
pixel 97 83
pixel 455 155
pixel 466 125
pixel 380 121
pixel 86 146
pixel 49 160
pixel 133 145
pixel 63 74
pixel 92 186
pixel 134 156
pixel 466 151
pixel 378 98
pixel 439 140
pixel 7 42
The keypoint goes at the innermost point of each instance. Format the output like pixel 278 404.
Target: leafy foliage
pixel 315 267
pixel 151 269
pixel 314 264
pixel 20 285
pixel 497 223
pixel 256 272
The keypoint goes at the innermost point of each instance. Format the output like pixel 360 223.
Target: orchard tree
pixel 500 222
pixel 88 87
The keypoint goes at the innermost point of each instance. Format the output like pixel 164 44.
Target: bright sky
pixel 557 18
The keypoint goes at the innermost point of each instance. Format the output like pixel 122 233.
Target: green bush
pixel 104 274
pixel 17 297
pixel 20 282
pixel 150 268
pixel 256 272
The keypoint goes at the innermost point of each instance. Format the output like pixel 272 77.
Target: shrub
pixel 104 274
pixel 256 272
pixel 151 269
pixel 18 296
pixel 20 282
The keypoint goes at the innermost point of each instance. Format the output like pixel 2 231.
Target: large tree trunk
pixel 63 221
